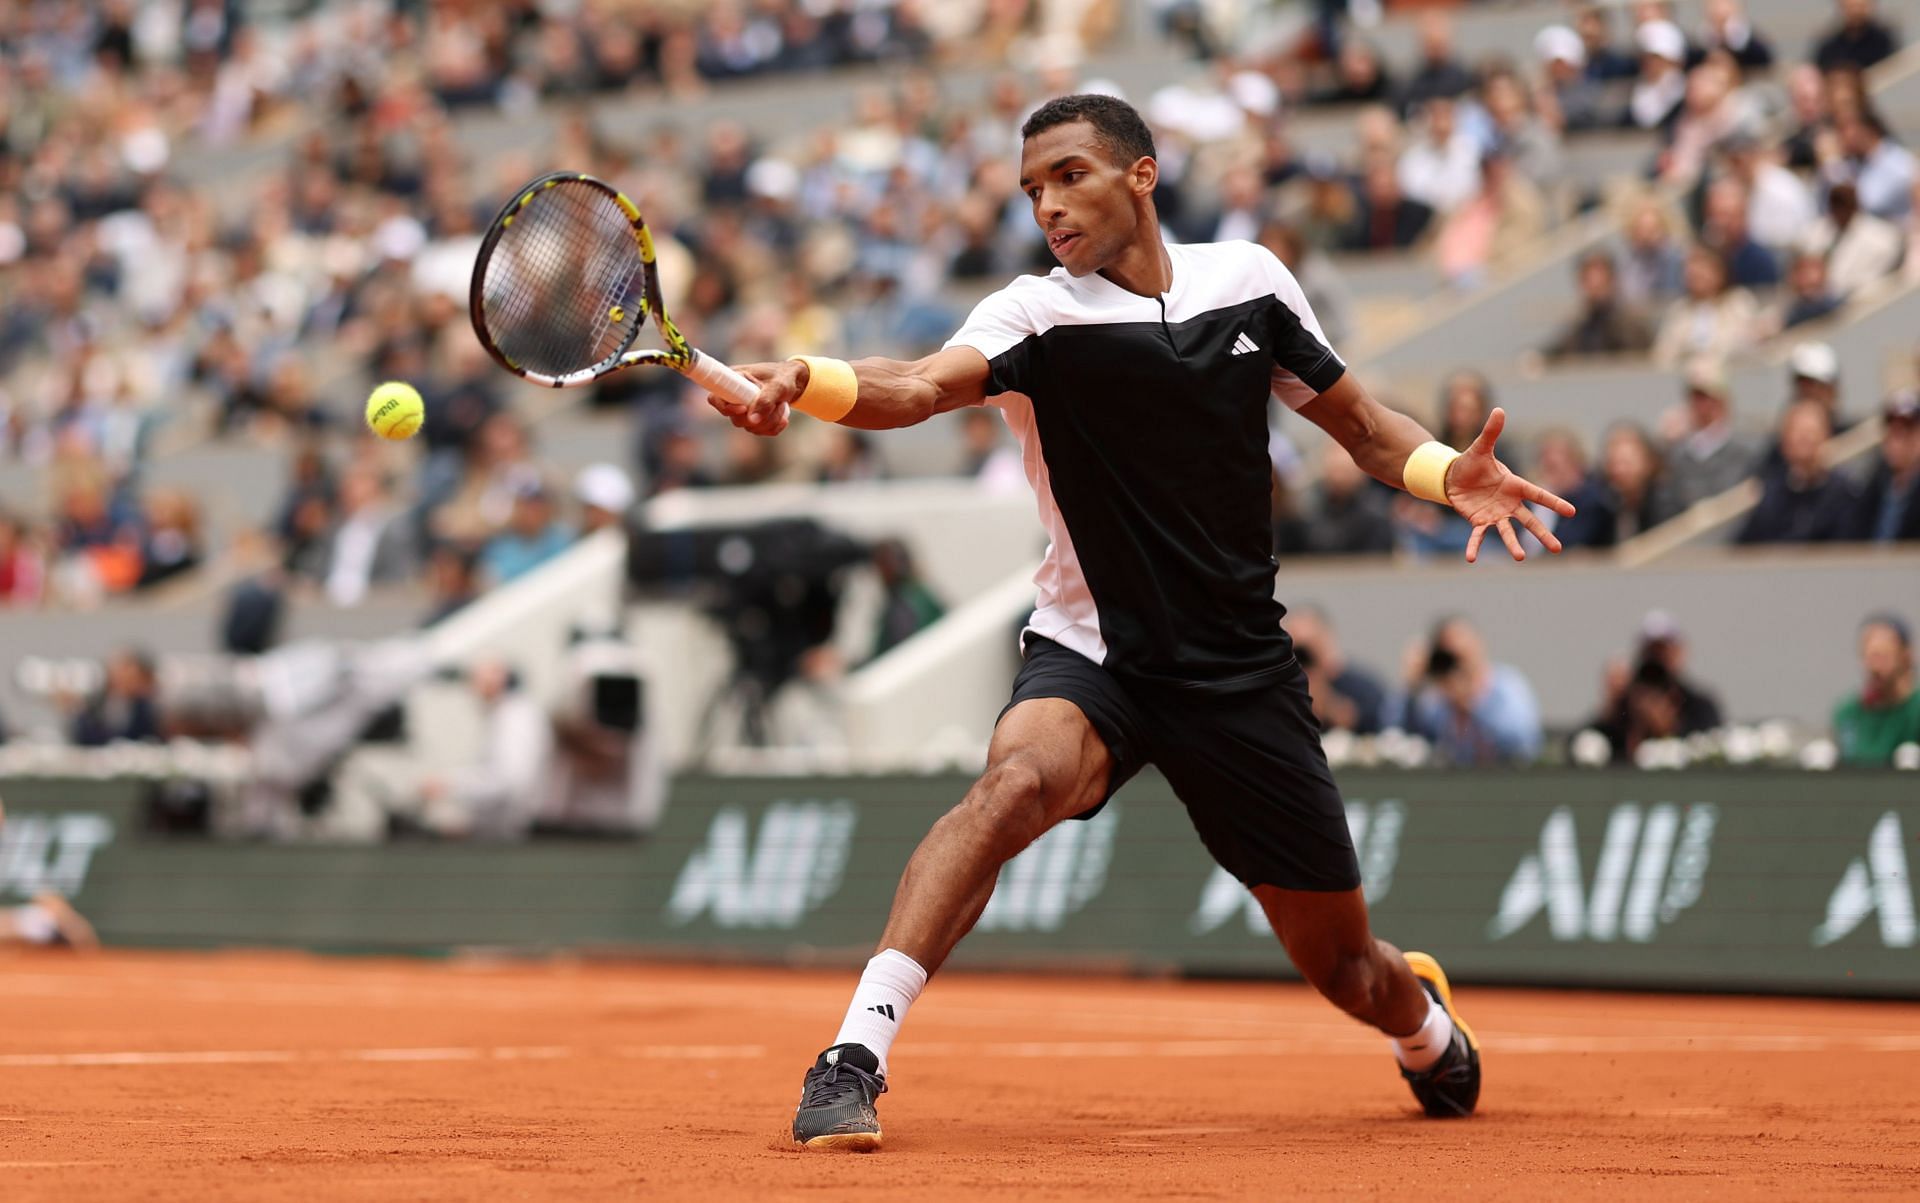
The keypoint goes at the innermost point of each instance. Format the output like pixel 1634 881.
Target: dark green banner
pixel 1739 880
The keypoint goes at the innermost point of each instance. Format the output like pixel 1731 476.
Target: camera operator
pixel 1473 711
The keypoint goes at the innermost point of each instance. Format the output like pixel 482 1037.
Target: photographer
pixel 1473 711
pixel 1345 696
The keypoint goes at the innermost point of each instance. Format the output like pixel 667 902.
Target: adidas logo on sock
pixel 1244 345
pixel 884 1009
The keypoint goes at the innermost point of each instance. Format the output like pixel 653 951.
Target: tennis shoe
pixel 836 1102
pixel 1450 1087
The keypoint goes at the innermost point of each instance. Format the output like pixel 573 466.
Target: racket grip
pixel 721 380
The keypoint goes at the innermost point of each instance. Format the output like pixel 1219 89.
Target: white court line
pixel 1035 1050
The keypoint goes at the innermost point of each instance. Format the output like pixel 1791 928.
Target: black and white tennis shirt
pixel 1143 427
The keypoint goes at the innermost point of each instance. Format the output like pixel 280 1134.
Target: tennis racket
pixel 564 280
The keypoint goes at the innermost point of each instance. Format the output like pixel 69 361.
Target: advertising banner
pixel 1728 880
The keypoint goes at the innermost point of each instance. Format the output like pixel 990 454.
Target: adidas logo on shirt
pixel 884 1009
pixel 1244 345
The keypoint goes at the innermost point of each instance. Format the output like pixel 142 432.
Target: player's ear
pixel 1145 176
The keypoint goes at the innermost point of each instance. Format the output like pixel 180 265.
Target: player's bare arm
pixel 886 393
pixel 1390 447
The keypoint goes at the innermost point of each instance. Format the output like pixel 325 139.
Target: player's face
pixel 1090 207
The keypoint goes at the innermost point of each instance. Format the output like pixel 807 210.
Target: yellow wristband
pixel 1426 471
pixel 831 388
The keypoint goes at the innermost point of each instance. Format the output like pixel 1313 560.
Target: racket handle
pixel 721 380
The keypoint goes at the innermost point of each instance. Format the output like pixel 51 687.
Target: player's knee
pixel 1010 803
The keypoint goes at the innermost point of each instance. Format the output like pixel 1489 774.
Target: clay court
pixel 255 1076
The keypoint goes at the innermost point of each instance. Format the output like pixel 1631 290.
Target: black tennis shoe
pixel 836 1102
pixel 1450 1087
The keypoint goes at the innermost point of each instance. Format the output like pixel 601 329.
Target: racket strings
pixel 560 293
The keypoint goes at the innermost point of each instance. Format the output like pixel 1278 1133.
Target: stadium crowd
pixel 140 304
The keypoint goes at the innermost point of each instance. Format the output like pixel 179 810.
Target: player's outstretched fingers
pixel 1538 530
pixel 1473 543
pixel 1510 539
pixel 1490 433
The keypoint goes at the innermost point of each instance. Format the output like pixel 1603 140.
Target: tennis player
pixel 1136 376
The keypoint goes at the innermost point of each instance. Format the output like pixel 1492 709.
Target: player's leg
pixel 1254 780
pixel 1062 746
pixel 1405 995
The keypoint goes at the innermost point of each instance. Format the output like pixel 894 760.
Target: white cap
pixel 1254 92
pixel 1815 361
pixel 604 487
pixel 1662 39
pixel 1558 44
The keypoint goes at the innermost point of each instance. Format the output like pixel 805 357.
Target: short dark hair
pixel 1115 123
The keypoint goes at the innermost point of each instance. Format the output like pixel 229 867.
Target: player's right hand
pixel 780 386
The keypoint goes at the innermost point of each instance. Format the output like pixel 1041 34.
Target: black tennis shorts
pixel 1247 765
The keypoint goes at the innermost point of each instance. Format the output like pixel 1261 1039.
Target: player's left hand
pixel 1487 494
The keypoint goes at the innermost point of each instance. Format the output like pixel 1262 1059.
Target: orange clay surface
pixel 278 1077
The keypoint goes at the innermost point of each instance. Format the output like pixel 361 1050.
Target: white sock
pixel 1424 1047
pixel 888 987
pixel 35 924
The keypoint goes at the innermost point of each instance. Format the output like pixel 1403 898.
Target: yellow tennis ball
pixel 395 410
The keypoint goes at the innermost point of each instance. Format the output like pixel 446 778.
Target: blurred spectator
pixel 908 605
pixel 1606 325
pixel 606 497
pixel 1872 724
pixel 1709 456
pixel 1749 265
pixel 1466 398
pixel 1653 699
pixel 533 535
pixel 1715 109
pixel 850 457
pixel 124 710
pixel 1319 279
pixel 499 795
pixel 1441 169
pixel 1605 64
pixel 1632 496
pixel 1813 374
pixel 1725 27
pixel 1779 205
pixel 1881 170
pixel 1653 263
pixel 369 545
pixel 1859 248
pixel 1348 513
pixel 1346 697
pixel 257 601
pixel 1440 75
pixel 1807 98
pixel 1560 467
pixel 990 460
pixel 1577 94
pixel 1359 77
pixel 1808 298
pixel 1713 321
pixel 23 575
pixel 1805 501
pixel 1503 218
pixel 1889 507
pixel 1859 40
pixel 1661 88
pixel 170 536
pixel 453 582
pixel 1385 218
pixel 1473 711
